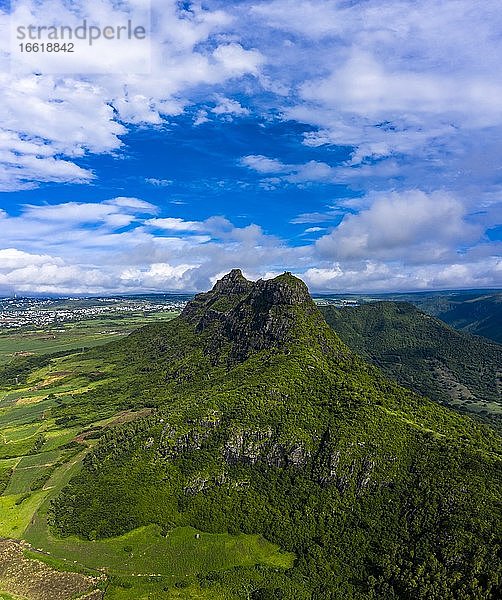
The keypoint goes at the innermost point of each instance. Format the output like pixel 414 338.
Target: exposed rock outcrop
pixel 252 316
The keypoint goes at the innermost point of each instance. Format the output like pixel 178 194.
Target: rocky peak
pixel 283 290
pixel 232 283
pixel 252 316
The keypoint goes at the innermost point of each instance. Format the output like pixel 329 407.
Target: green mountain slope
pixel 266 423
pixel 424 354
pixel 478 312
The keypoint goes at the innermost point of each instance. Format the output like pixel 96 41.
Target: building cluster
pixel 337 302
pixel 18 313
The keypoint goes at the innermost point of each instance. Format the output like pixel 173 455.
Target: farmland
pixel 72 336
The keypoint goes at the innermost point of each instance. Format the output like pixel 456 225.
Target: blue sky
pixel 354 143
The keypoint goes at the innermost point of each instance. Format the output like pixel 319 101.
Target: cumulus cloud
pixel 26 272
pixel 175 224
pixel 156 276
pixel 425 227
pixel 312 171
pixel 395 241
pixel 375 276
pixel 228 106
pixel 83 247
pixel 11 258
pixel 262 164
pixel 364 86
pixel 55 120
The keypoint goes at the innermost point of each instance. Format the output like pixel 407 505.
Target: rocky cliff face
pixel 251 316
pixel 225 294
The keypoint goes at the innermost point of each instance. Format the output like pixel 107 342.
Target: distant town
pixel 17 313
pixel 338 302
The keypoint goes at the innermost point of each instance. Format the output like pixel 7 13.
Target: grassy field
pixel 38 456
pixel 6 596
pixel 69 336
pixel 145 553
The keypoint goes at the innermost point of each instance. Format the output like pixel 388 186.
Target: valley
pixel 424 354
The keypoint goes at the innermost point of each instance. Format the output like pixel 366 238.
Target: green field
pixel 180 553
pixel 69 336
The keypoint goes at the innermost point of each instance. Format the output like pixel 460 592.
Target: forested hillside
pixel 473 311
pixel 480 314
pixel 424 354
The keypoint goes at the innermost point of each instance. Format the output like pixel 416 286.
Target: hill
pixel 424 354
pixel 266 423
pixel 476 313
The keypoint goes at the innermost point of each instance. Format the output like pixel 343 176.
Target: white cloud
pixel 201 117
pixel 414 84
pixel 158 182
pixel 314 217
pixel 262 164
pixel 307 18
pixel 26 272
pixel 175 224
pixel 70 212
pixel 228 106
pixel 11 258
pixel 116 211
pixel 411 90
pixel 133 203
pixel 156 276
pixel 374 276
pixel 313 171
pixel 55 120
pixel 396 241
pixel 363 85
pixel 419 226
pixel 236 60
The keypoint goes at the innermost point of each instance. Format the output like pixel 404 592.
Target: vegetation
pixel 25 578
pixel 266 423
pixel 424 354
pixel 478 313
pixel 47 450
pixel 243 451
pixel 70 337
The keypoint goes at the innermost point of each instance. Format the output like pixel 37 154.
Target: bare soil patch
pixel 35 580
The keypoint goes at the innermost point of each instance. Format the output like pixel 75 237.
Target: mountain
pixel 264 422
pixel 424 354
pixel 476 313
